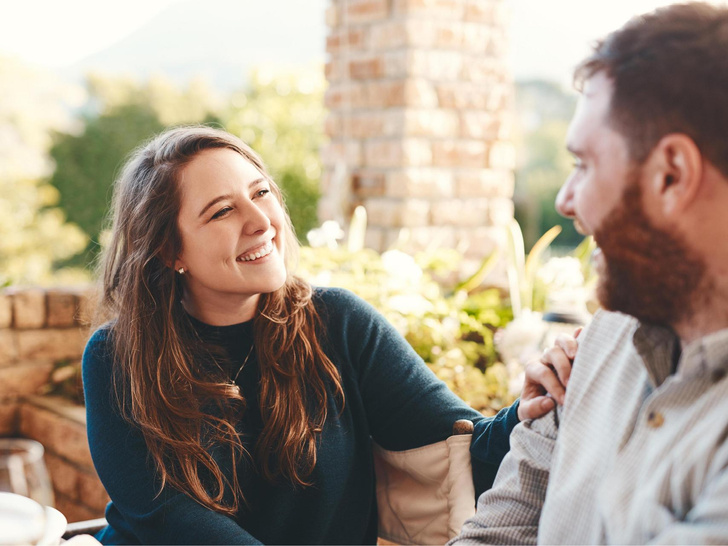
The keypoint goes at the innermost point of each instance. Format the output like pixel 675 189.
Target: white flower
pixel 409 304
pixel 322 278
pixel 516 377
pixel 326 235
pixel 565 286
pixel 521 339
pixel 561 273
pixel 401 268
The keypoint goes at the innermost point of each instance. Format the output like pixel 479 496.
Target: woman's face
pixel 232 229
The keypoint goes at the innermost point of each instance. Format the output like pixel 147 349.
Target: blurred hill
pixel 221 42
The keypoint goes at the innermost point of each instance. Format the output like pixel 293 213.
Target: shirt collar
pixel 709 354
pixel 659 348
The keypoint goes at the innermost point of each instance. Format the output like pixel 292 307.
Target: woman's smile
pixel 257 254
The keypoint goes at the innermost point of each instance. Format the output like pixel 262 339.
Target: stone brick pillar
pixel 420 98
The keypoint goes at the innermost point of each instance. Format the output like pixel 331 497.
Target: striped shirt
pixel 641 454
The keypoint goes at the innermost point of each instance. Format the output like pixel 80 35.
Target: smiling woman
pixel 228 401
pixel 233 232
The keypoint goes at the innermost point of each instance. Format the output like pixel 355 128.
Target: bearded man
pixel 638 453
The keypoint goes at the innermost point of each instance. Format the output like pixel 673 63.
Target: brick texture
pixel 39 328
pixel 87 301
pixel 29 307
pixel 23 380
pixel 6 311
pixel 75 511
pixel 419 120
pixel 61 436
pixel 8 418
pixel 76 482
pixel 51 344
pixel 62 307
pixel 8 347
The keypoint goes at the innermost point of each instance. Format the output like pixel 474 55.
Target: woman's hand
pixel 547 378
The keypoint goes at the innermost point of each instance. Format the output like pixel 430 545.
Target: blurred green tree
pixel 545 110
pixel 281 116
pixel 86 165
pixel 35 233
pixel 120 116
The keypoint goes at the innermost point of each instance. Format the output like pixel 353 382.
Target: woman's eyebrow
pixel 215 200
pixel 252 184
pixel 257 181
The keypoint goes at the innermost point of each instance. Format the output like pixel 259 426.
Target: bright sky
pixel 57 33
pixel 548 37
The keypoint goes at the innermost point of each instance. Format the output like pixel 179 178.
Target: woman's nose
pixel 255 220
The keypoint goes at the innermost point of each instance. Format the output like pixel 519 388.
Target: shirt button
pixel 655 419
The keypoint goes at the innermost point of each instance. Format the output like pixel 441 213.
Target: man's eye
pixel 220 213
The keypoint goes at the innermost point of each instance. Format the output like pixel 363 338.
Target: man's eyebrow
pixel 573 150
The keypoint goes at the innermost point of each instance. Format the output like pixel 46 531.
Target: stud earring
pixel 181 271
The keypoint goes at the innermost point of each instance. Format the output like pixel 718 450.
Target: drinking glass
pixel 25 491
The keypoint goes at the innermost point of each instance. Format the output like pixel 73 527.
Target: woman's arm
pixel 544 386
pixel 408 406
pixel 123 464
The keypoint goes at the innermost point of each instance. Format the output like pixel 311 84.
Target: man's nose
pixel 565 199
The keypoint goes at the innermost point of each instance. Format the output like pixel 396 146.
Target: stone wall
pixel 40 328
pixel 420 99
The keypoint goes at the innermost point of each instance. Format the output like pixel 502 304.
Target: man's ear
pixel 674 174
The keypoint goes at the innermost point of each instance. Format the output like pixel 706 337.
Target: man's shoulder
pixel 606 357
pixel 607 329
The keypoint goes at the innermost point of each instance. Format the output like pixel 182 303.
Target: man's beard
pixel 650 274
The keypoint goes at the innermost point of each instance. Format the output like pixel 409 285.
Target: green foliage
pixel 128 114
pixel 544 163
pixel 522 269
pixel 88 163
pixel 280 115
pixel 451 330
pixel 170 104
pixel 35 233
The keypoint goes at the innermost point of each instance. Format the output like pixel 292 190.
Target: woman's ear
pixel 674 174
pixel 170 260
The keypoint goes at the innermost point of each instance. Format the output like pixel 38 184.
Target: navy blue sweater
pixel 391 397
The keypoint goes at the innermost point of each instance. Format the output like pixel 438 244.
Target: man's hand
pixel 547 378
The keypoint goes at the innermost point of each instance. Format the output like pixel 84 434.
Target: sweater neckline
pixel 230 332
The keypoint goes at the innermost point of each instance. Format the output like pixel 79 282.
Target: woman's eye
pixel 220 213
pixel 578 165
pixel 261 193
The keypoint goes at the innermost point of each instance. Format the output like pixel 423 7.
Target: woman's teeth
pixel 260 253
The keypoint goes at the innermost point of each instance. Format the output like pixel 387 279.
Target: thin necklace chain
pixel 250 352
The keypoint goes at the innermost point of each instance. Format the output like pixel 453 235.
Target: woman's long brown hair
pixel 162 377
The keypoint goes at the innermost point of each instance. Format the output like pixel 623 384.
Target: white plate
pixel 55 527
